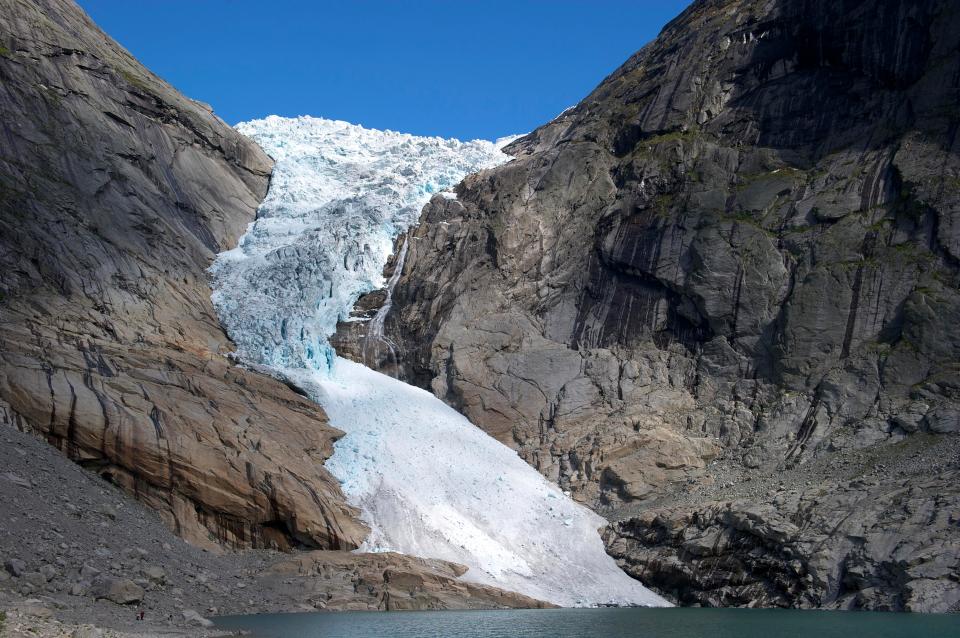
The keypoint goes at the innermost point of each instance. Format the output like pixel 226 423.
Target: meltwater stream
pixel 426 480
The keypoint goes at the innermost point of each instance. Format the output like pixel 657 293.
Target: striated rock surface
pixel 115 194
pixel 736 257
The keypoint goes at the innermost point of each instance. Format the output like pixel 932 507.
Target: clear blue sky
pixel 460 68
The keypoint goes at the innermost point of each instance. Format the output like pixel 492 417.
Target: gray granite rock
pixel 737 256
pixel 842 545
pixel 122 591
pixel 15 567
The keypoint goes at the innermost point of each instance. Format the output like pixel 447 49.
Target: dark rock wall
pixel 115 194
pixel 877 533
pixel 736 256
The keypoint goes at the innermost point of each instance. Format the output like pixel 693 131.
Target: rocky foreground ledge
pixel 77 551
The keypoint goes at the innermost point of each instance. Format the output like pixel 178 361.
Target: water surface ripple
pixel 600 623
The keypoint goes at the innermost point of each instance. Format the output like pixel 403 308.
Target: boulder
pixel 122 591
pixel 15 567
pixel 194 618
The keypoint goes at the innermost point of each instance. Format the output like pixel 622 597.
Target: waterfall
pixel 374 337
pixel 426 480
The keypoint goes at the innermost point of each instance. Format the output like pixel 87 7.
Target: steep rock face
pixel 115 194
pixel 738 253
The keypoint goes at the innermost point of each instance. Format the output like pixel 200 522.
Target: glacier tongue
pixel 426 480
pixel 432 484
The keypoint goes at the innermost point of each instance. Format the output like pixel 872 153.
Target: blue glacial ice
pixel 425 479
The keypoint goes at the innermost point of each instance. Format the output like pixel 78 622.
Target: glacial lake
pixel 598 623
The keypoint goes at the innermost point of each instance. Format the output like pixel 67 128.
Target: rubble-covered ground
pixel 77 550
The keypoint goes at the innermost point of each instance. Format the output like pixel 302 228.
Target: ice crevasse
pixel 426 480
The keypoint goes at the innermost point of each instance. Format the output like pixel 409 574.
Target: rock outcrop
pixel 115 194
pixel 877 533
pixel 385 582
pixel 737 256
pixel 839 545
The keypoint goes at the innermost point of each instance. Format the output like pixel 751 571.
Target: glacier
pixel 426 481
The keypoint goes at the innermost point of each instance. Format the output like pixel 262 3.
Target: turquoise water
pixel 599 623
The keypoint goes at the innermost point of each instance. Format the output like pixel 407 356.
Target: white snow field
pixel 425 479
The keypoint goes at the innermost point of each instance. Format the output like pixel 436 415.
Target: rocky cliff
pixel 718 296
pixel 115 194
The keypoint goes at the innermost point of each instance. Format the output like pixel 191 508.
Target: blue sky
pixel 457 68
